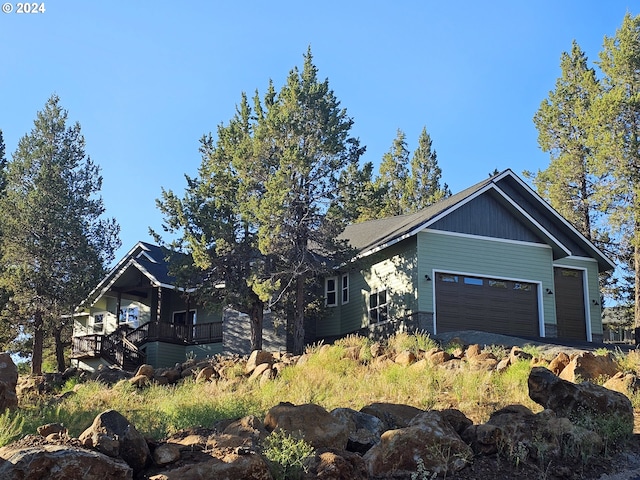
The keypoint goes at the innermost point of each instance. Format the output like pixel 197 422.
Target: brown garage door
pixel 487 304
pixel 569 294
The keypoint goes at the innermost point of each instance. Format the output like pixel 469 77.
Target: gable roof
pixel 147 258
pixel 374 235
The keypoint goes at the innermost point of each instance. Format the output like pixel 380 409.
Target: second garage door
pixel 487 304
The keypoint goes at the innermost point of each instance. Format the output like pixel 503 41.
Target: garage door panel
pixel 494 305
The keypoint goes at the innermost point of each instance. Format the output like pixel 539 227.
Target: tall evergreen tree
pixel 424 182
pixel 258 216
pixel 563 121
pixel 359 199
pixel 393 178
pixel 616 138
pixel 212 228
pixel 304 141
pixel 54 245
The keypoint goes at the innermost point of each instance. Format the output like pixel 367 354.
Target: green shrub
pixel 287 455
pixel 11 425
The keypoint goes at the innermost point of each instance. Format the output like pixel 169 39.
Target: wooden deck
pixel 107 346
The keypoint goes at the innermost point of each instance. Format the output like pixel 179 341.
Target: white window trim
pixel 344 290
pixel 334 291
pixel 378 306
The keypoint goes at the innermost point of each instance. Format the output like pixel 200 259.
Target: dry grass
pixel 341 375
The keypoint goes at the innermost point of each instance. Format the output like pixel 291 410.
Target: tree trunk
pixel 298 321
pixel 38 344
pixel 636 267
pixel 256 316
pixel 57 336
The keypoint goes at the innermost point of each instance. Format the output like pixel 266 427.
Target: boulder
pixel 139 381
pixel 256 358
pixel 57 462
pixel 232 467
pixel 473 350
pixel 259 370
pixel 428 437
pixel 146 370
pixel 364 429
pixel 172 374
pixel 206 374
pixel 626 383
pixel 113 435
pixel 51 429
pixel 247 427
pixel 393 415
pixel 517 353
pixel 524 437
pixel 166 454
pixel 310 422
pixel 376 349
pixel 438 357
pixel 587 366
pixel 560 361
pixel 110 375
pixel 485 361
pixel 405 358
pixel 8 382
pixel 339 465
pixel 575 402
pixel 458 420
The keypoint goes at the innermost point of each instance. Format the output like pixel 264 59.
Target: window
pixel 448 278
pixel 473 281
pixel 129 316
pixel 378 309
pixel 180 318
pixel 331 292
pixel 345 288
pixel 497 284
pixel 98 323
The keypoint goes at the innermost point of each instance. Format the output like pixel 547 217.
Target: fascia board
pixel 551 210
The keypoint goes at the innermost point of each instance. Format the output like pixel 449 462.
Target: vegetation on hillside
pixel 341 375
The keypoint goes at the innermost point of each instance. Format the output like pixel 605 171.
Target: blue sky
pixel 147 79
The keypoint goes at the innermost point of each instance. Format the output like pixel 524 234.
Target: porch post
pixel 118 308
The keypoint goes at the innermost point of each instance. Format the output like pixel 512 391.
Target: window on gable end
pixel 331 292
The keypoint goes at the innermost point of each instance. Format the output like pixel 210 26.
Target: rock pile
pixel 381 440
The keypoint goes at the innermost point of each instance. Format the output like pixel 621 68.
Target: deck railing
pixel 97 345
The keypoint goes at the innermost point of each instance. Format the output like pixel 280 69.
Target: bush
pixel 287 455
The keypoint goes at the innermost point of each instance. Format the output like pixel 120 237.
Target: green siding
pixel 201 352
pixel 590 266
pixel 395 271
pixel 164 354
pixel 483 257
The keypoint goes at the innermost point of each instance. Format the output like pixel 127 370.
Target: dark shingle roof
pixel 373 234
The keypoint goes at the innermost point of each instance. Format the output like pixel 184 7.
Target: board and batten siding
pixel 590 268
pixel 395 269
pixel 484 257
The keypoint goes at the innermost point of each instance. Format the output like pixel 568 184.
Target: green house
pixel 494 257
pixel 137 314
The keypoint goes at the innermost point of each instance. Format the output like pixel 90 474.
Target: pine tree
pixel 54 245
pixel 358 199
pixel 563 122
pixel 212 229
pixel 304 142
pixel 393 178
pixel 616 138
pixel 424 183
